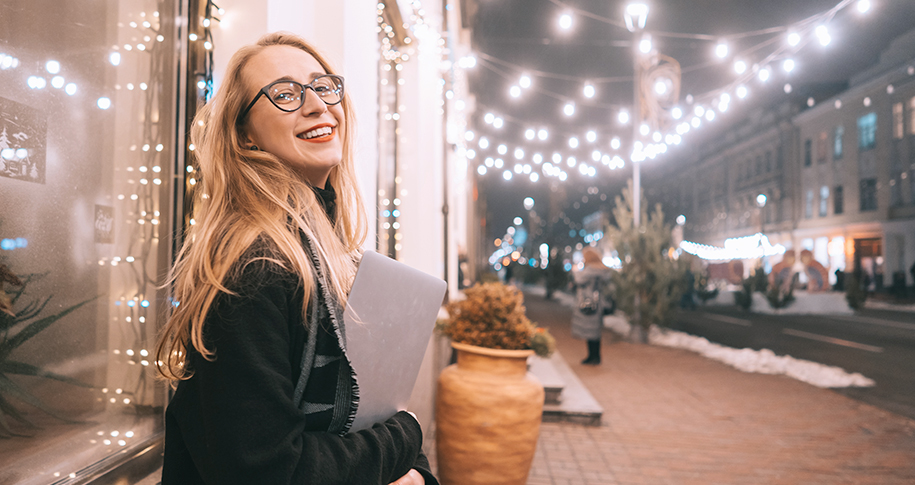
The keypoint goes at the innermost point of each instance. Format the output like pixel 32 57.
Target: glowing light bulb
pixel 788 65
pixel 565 21
pixel 864 6
pixel 623 117
pixel 542 134
pixel 794 39
pixel 823 36
pixel 525 82
pixel 591 136
pixel 569 109
pixel 721 50
pixel 740 67
pixel 529 133
pixel 764 74
pixel 514 91
pixel 589 90
pixel 645 44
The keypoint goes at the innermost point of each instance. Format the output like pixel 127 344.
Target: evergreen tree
pixel 648 270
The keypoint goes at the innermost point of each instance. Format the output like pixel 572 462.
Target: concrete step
pixel 575 403
pixel 546 373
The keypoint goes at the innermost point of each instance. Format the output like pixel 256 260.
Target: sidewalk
pixel 672 417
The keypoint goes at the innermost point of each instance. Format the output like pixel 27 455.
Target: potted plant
pixel 488 407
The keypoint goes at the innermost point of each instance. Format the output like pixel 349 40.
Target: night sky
pixel 526 33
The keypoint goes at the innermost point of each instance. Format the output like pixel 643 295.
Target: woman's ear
pixel 248 143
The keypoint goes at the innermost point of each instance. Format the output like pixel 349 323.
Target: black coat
pixel 234 421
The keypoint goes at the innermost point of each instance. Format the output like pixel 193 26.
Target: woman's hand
pixel 411 478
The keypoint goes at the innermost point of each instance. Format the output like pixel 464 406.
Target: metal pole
pixel 636 178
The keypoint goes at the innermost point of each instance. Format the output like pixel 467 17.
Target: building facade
pixel 832 175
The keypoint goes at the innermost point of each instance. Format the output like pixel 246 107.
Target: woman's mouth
pixel 320 134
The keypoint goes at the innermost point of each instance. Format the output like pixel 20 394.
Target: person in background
pixel 255 343
pixel 588 314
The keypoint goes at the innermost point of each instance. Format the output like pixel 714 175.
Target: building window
pixel 838 201
pixel 808 207
pixel 824 199
pixel 821 147
pixel 837 143
pixel 912 115
pixel 780 158
pixel 867 131
pixel 808 152
pixel 898 121
pixel 868 195
pixel 759 165
pixel 768 161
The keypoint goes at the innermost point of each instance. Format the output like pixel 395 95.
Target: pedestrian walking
pixel 265 390
pixel 588 313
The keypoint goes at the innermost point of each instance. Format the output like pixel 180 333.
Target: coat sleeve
pixel 237 415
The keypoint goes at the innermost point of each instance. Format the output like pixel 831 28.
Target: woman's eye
pixel 284 96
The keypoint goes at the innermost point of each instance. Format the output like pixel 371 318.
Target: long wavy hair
pixel 246 196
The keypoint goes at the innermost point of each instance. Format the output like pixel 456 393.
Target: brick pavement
pixel 674 417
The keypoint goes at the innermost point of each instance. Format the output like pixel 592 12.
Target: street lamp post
pixel 636 16
pixel 761 202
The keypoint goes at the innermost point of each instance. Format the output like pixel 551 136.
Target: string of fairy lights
pixel 401 42
pixel 592 151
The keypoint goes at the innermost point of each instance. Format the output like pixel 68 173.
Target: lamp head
pixel 636 15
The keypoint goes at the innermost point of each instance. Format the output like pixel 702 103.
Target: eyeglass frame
pixel 264 91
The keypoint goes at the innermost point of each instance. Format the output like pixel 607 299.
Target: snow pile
pixel 762 361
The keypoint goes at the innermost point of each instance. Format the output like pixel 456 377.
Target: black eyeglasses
pixel 289 95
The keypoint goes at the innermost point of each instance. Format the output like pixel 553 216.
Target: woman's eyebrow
pixel 312 77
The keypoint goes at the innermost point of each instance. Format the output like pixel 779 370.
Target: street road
pixel 879 344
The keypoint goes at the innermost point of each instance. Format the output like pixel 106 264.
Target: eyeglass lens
pixel 289 96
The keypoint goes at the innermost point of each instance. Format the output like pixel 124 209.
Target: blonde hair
pixel 245 196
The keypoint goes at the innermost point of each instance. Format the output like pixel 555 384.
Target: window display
pixel 87 157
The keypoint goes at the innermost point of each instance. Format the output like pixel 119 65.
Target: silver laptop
pixel 389 317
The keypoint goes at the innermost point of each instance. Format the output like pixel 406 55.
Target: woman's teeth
pixel 326 130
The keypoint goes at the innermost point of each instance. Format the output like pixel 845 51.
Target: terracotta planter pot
pixel 488 413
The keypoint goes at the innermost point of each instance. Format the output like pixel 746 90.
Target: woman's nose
pixel 312 105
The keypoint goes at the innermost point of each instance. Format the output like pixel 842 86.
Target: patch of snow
pixel 763 361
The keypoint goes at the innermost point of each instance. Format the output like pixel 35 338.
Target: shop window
pixel 898 121
pixel 824 200
pixel 838 200
pixel 837 146
pixel 808 206
pixel 868 195
pixel 821 147
pixel 867 131
pixel 87 149
pixel 808 152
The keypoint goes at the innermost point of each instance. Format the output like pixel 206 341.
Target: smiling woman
pixel 265 389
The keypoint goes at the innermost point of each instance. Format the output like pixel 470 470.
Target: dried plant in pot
pixel 488 407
